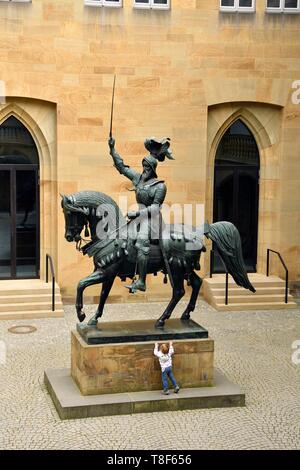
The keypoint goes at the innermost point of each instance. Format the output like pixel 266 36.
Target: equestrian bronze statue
pixel 143 244
pixel 114 252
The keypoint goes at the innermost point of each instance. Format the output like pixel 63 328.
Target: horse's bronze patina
pixel 114 253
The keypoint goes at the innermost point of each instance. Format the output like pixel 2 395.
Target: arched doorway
pixel 236 189
pixel 19 202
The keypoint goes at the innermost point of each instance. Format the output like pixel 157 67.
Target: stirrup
pixel 132 290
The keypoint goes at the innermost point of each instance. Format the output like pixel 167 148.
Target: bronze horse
pixel 114 253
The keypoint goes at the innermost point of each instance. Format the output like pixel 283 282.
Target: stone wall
pixel 178 72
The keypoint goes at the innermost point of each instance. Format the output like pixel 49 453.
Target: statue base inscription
pixel 119 367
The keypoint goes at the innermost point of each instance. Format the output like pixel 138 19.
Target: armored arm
pixel 120 165
pixel 160 194
pixel 158 200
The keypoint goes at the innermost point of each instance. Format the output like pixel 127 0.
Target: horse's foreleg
pixel 178 293
pixel 106 288
pixel 95 278
pixel 196 283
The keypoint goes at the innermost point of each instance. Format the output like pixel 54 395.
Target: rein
pixel 106 242
pixel 75 227
pixel 78 244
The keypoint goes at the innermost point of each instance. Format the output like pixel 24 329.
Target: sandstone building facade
pixel 222 84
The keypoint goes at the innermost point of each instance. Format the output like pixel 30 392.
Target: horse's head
pixel 75 218
pixel 96 211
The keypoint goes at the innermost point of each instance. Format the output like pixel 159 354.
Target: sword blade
pixel 112 108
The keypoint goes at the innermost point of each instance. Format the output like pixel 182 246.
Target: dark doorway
pixel 236 189
pixel 19 202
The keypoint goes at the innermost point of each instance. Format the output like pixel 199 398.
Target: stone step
pixel 31 314
pixel 24 287
pixel 215 284
pixel 31 306
pixel 70 404
pixel 251 276
pixel 15 299
pixel 28 298
pixel 240 291
pixel 255 306
pixel 269 294
pixel 241 299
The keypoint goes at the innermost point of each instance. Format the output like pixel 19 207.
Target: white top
pixel 165 360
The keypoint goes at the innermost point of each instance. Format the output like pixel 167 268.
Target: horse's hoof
pixel 81 316
pixel 93 322
pixel 159 324
pixel 185 316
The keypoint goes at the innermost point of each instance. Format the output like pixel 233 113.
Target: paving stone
pixel 253 349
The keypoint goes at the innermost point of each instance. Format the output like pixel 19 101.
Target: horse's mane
pixel 91 198
pixel 82 200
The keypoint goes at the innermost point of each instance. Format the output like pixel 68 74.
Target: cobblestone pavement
pixel 253 349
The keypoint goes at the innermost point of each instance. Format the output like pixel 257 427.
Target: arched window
pixel 238 146
pixel 16 144
pixel 236 188
pixel 19 202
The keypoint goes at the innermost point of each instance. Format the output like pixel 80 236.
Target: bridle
pixel 76 228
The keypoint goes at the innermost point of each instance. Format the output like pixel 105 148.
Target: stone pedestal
pixel 99 369
pixel 70 404
pixel 114 372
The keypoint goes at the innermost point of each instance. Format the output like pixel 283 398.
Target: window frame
pixel 16 1
pixel 103 3
pixel 151 5
pixel 282 8
pixel 237 8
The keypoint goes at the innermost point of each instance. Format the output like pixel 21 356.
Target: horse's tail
pixel 228 241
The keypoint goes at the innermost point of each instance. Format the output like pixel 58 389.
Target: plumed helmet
pixel 160 149
pixel 152 162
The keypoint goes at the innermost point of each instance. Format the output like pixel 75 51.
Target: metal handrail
pixel 286 271
pixel 212 253
pixel 49 260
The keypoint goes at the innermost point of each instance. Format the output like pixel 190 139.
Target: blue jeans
pixel 168 373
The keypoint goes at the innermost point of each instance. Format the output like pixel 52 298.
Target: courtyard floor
pixel 254 350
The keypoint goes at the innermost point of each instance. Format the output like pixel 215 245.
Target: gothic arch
pixel 30 113
pixel 264 122
pixel 262 138
pixel 12 109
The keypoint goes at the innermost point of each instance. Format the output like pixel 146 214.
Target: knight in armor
pixel 150 195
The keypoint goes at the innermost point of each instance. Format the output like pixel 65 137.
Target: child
pixel 165 359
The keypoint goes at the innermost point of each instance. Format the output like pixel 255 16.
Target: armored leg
pixel 143 249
